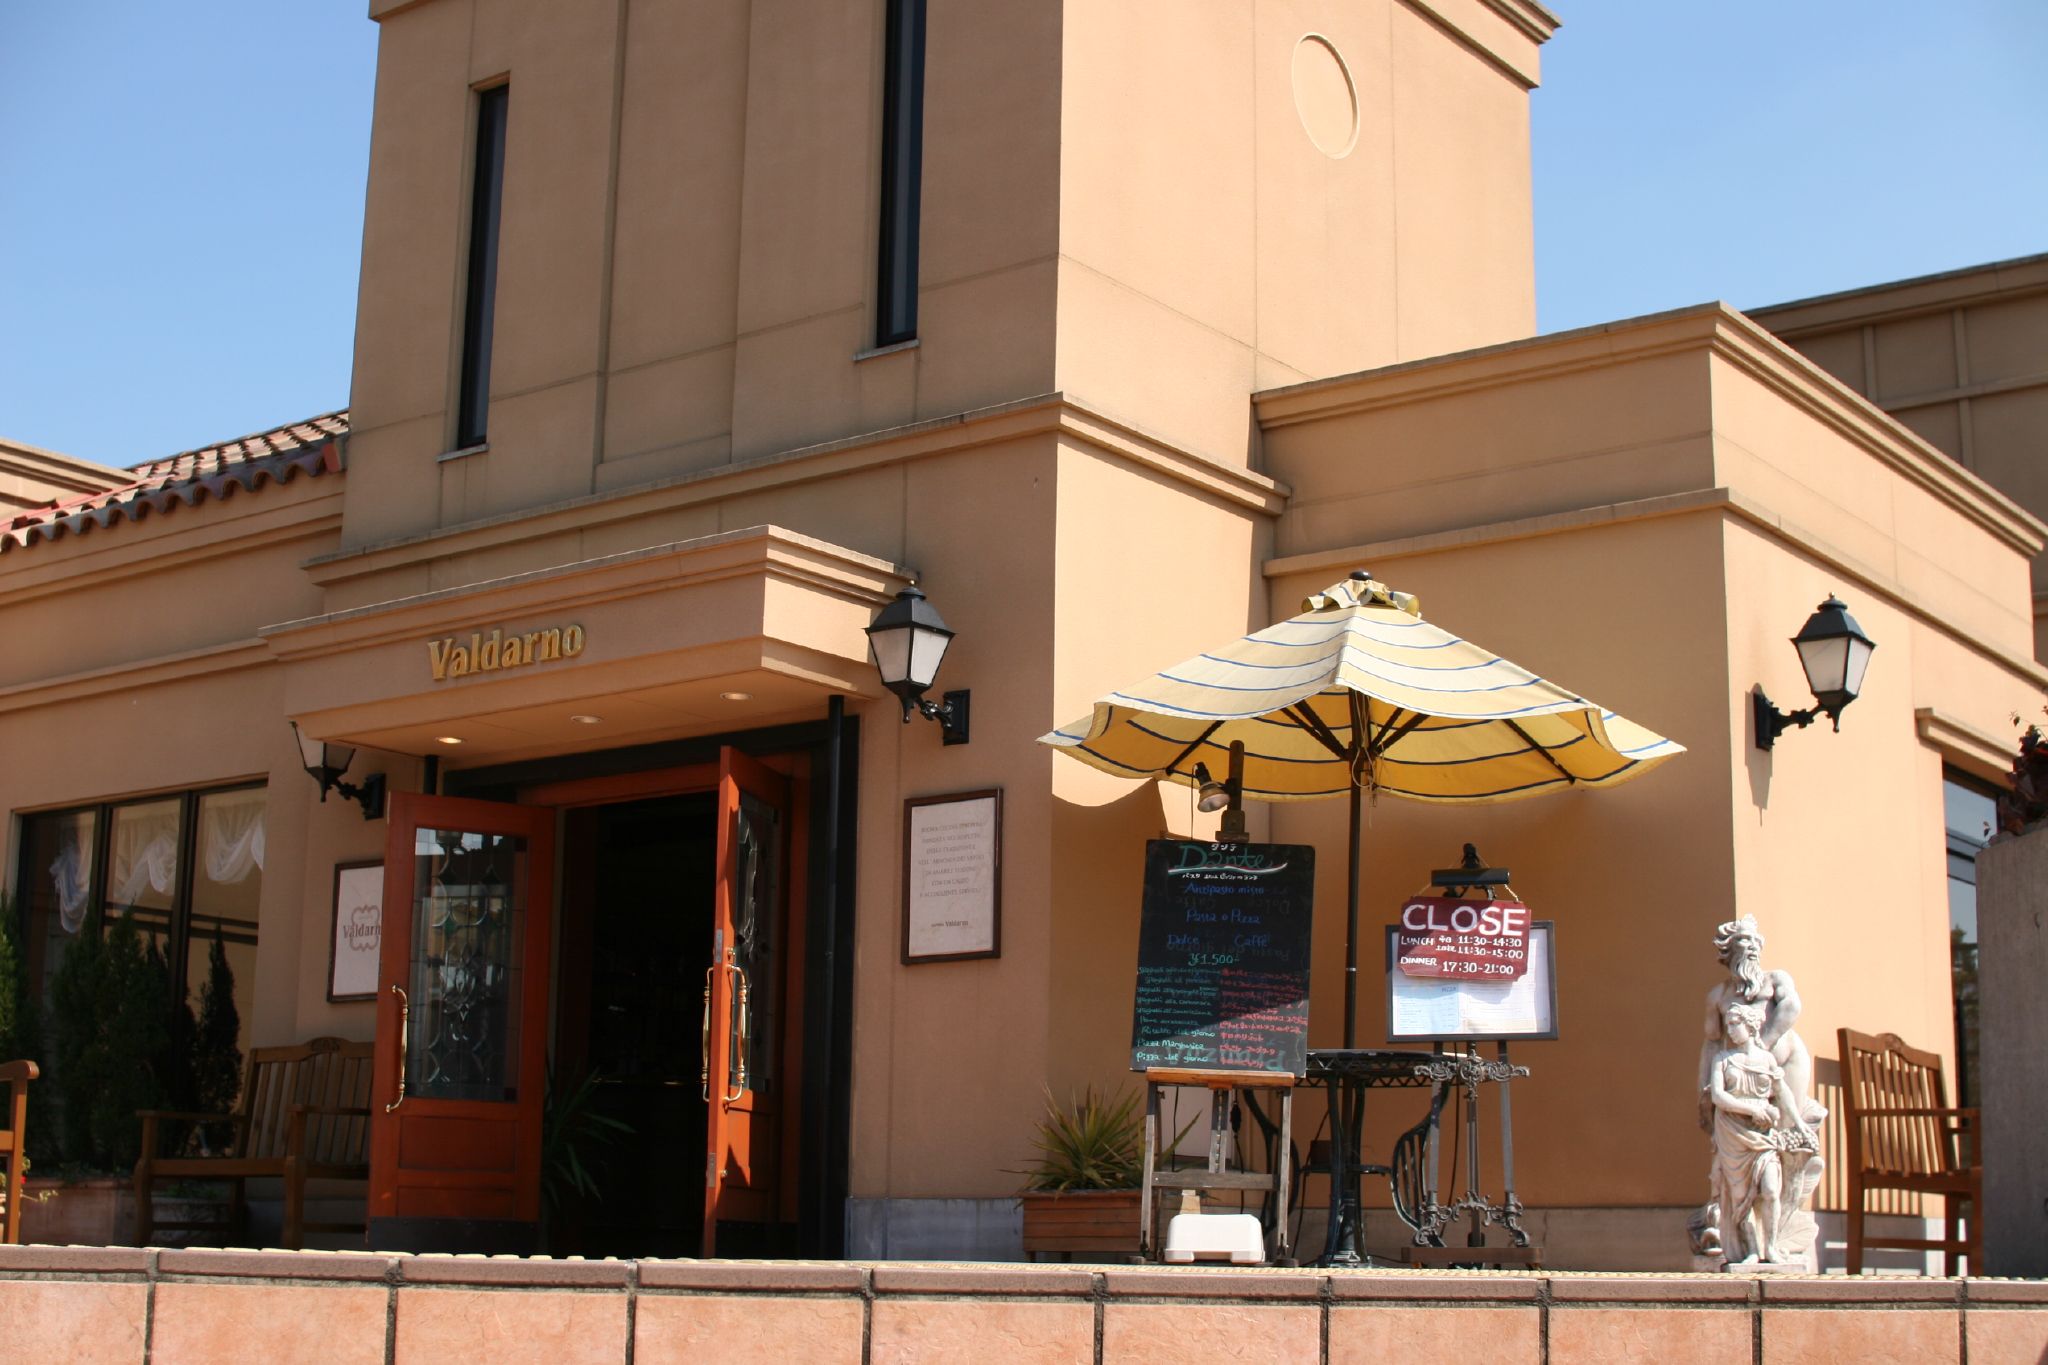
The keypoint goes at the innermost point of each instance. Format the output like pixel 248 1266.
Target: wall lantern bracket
pixel 1835 654
pixel 326 762
pixel 908 640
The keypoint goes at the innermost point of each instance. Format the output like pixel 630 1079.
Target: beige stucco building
pixel 1212 304
pixel 1961 358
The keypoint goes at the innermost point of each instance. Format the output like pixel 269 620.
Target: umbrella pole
pixel 1351 925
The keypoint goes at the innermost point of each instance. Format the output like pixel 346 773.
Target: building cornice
pixel 1538 21
pixel 1505 34
pixel 2016 278
pixel 61 474
pixel 1719 501
pixel 136 675
pixel 1054 414
pixel 753 552
pixel 1965 745
pixel 1715 328
pixel 100 562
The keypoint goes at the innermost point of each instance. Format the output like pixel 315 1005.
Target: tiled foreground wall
pixel 91 1305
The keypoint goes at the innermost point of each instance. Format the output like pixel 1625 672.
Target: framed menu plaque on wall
pixel 357 932
pixel 953 877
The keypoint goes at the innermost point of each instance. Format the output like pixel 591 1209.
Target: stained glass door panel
pixel 464 976
pixel 744 1037
pixel 461 1021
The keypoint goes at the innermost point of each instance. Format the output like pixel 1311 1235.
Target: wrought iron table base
pixel 1347 1074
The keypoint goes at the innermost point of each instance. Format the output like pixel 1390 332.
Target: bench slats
pixel 330 1078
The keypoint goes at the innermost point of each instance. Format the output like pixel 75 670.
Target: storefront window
pixel 142 868
pixel 186 870
pixel 57 857
pixel 1969 811
pixel 227 887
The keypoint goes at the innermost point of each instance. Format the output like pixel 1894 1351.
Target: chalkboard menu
pixel 1223 955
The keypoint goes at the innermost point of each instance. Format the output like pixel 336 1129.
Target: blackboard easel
pixel 1221 1085
pixel 1222 1001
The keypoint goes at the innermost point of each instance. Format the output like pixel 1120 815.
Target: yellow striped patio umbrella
pixel 1359 694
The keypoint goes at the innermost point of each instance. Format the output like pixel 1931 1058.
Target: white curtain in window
pixel 231 836
pixel 69 877
pixel 145 855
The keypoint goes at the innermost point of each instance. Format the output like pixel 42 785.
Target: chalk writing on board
pixel 1223 956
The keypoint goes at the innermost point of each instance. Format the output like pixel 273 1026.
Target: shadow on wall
pixel 1759 764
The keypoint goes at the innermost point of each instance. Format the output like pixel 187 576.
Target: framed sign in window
pixel 357 932
pixel 953 877
pixel 1427 1009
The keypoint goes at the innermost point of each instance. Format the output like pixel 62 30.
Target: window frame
pixel 1962 844
pixel 178 933
pixel 493 106
pixel 902 172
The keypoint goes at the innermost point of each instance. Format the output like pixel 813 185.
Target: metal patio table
pixel 1348 1073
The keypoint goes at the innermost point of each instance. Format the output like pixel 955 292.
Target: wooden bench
pixel 303 1115
pixel 15 1076
pixel 1903 1136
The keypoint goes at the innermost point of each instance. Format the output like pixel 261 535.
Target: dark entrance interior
pixel 636 936
pixel 638 877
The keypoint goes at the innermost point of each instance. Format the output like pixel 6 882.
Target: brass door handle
pixel 745 1011
pixel 404 1045
pixel 704 1066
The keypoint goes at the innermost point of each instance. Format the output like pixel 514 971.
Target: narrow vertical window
pixel 902 169
pixel 480 294
pixel 1971 813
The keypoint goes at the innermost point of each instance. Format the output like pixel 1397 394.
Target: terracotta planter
pixel 1101 1223
pixel 97 1211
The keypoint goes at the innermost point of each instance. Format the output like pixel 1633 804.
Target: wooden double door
pixel 474 909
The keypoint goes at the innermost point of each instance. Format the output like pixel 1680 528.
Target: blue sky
pixel 1761 151
pixel 181 185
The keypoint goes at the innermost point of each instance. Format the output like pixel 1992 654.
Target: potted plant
pixel 1081 1194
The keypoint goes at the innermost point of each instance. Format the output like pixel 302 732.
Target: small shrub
pixel 2027 803
pixel 20 1028
pixel 1092 1143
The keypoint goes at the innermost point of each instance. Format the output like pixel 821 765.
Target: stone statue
pixel 1766 1158
pixel 1741 948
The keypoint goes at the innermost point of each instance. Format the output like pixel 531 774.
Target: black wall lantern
pixel 327 762
pixel 908 641
pixel 1835 653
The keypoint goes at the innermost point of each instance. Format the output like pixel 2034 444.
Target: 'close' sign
pixel 1449 936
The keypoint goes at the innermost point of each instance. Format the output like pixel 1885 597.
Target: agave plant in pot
pixel 1080 1196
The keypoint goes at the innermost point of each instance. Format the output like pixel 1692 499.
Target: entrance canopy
pixel 724 632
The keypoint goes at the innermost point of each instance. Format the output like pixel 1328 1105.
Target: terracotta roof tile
pixel 247 463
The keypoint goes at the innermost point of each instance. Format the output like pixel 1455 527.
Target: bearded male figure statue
pixel 1771 997
pixel 1741 948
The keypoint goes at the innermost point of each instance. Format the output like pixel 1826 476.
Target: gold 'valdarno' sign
pixel 496 652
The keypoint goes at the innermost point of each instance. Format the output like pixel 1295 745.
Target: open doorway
pixel 631 826
pixel 670 1127
pixel 626 1108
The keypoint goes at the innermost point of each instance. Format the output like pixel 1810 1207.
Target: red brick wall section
pixel 119 1306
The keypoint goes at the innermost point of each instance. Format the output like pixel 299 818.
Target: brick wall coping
pixel 152 1306
pixel 953 1279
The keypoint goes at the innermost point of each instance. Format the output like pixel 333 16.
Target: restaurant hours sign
pixel 1448 936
